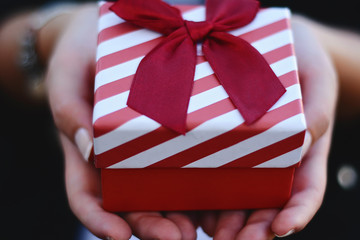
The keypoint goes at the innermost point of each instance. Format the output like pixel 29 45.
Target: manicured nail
pixel 307 143
pixel 83 142
pixel 108 238
pixel 286 234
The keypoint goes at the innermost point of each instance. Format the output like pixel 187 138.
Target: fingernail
pixel 83 142
pixel 286 234
pixel 307 143
pixel 108 238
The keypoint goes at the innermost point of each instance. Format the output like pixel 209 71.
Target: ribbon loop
pixel 198 31
pixel 161 88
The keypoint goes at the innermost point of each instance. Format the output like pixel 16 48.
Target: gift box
pixel 220 162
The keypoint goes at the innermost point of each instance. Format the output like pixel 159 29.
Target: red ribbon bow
pixel 162 85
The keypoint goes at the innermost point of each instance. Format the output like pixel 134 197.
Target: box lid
pixel 216 136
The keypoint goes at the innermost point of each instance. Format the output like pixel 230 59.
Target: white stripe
pixel 283 161
pixel 197 101
pixel 108 141
pixel 273 41
pixel 202 70
pixel 263 18
pixel 207 98
pixel 197 14
pixel 125 133
pixel 292 93
pixel 110 105
pixel 118 101
pixel 117 72
pixel 128 68
pixel 280 131
pixel 133 38
pixel 108 20
pixel 143 35
pixel 284 66
pixel 125 41
pixel 181 143
pixel 100 3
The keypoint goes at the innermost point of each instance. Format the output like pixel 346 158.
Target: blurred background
pixel 33 199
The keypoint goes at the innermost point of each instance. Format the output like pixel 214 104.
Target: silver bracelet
pixel 29 62
pixel 28 59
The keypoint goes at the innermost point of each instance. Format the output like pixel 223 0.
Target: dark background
pixel 33 203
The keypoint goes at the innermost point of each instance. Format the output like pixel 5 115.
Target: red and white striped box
pixel 220 163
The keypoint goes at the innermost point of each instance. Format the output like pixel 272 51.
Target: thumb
pixel 69 86
pixel 70 80
pixel 318 79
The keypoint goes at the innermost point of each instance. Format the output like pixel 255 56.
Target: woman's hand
pixel 319 89
pixel 70 90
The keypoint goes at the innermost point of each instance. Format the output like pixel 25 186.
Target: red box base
pixel 195 189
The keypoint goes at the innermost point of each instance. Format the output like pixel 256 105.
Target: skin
pixel 70 58
pixel 72 109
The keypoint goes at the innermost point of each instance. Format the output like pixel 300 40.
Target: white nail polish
pixel 108 238
pixel 286 234
pixel 83 142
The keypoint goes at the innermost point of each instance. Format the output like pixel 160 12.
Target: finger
pixel 83 190
pixel 208 222
pixel 318 80
pixel 229 224
pixel 258 225
pixel 152 225
pixel 185 224
pixel 70 77
pixel 308 190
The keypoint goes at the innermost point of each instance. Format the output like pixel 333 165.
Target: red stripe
pixel 183 8
pixel 269 152
pixel 159 135
pixel 116 30
pixel 289 79
pixel 114 88
pixel 230 138
pixel 122 85
pixel 123 28
pixel 104 9
pixel 279 54
pixel 266 30
pixel 200 85
pixel 107 124
pixel 132 52
pixel 119 86
pixel 125 55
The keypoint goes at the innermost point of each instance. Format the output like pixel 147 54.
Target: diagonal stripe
pixel 106 143
pixel 270 152
pixel 203 99
pixel 160 134
pixel 280 131
pixel 260 34
pixel 230 138
pixel 220 125
pixel 283 161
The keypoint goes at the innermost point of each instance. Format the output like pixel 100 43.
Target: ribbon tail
pixel 244 73
pixel 162 86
